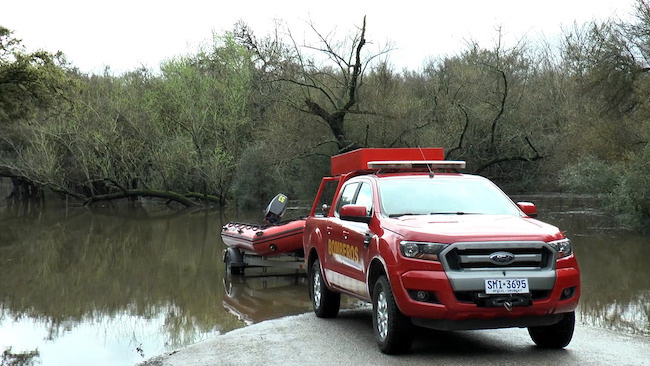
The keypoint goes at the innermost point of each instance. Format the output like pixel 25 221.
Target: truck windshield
pixel 443 195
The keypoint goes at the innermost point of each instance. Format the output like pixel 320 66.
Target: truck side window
pixel 347 196
pixel 365 197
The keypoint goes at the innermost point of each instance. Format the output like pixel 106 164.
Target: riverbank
pixel 348 340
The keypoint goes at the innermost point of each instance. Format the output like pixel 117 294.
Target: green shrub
pixel 254 184
pixel 589 175
pixel 630 198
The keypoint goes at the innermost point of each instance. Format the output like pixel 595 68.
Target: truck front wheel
pixel 554 336
pixel 326 302
pixel 393 331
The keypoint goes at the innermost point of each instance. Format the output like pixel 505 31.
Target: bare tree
pixel 330 92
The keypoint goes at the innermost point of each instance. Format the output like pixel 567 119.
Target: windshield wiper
pixel 404 214
pixel 433 213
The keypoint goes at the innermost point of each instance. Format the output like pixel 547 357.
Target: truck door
pixel 346 252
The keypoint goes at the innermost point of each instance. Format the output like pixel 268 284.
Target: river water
pixel 116 286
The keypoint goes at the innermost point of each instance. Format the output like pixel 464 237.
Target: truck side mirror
pixel 529 208
pixel 357 213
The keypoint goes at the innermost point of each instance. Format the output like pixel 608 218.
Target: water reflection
pixel 122 274
pixel 255 299
pixel 117 285
pixel 616 293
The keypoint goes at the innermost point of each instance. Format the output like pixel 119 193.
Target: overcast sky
pixel 126 34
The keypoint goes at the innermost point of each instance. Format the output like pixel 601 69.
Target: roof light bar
pixel 431 164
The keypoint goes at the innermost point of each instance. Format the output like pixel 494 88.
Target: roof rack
pixel 414 164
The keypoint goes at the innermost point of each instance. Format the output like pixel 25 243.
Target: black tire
pixel 554 336
pixel 230 270
pixel 393 330
pixel 326 302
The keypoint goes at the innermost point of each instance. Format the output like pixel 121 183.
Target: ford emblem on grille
pixel 502 258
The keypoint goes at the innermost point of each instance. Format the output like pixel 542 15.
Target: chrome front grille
pixel 477 256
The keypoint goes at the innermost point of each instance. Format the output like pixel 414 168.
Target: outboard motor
pixel 275 210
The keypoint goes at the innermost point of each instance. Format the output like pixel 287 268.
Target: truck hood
pixel 471 227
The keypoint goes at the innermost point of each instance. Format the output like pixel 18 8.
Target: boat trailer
pixel 237 261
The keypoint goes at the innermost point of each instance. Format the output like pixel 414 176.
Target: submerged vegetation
pixel 243 116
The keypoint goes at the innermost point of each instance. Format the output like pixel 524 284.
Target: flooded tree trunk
pixel 24 190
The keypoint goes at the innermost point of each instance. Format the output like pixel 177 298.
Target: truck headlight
pixel 562 247
pixel 420 250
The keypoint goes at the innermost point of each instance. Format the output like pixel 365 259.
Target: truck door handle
pixel 346 234
pixel 329 230
pixel 366 240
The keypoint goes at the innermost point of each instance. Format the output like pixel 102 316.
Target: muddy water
pixel 117 286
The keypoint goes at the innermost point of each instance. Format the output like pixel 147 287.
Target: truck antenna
pixel 431 174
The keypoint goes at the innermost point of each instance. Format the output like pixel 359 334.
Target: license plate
pixel 507 286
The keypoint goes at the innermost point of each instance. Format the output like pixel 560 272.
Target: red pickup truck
pixel 431 247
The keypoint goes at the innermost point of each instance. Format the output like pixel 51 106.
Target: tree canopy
pixel 244 116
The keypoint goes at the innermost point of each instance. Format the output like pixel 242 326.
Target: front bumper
pixel 447 308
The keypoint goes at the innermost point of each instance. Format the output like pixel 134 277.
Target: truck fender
pixel 316 248
pixel 376 268
pixel 311 241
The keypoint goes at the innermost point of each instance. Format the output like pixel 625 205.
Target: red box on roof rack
pixel 358 159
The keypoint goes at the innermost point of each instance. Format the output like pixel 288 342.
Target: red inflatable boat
pixel 268 239
pixel 264 240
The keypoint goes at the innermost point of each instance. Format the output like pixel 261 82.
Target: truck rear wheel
pixel 393 331
pixel 554 336
pixel 326 302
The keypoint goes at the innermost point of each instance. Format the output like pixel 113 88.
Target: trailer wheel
pixel 393 330
pixel 230 256
pixel 325 301
pixel 557 335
